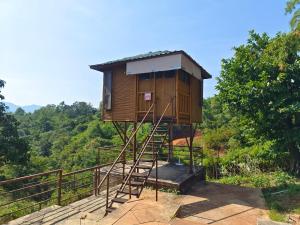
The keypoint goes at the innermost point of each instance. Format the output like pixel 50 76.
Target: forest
pixel 250 132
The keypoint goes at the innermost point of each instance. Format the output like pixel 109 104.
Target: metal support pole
pixel 59 182
pixel 129 188
pixel 156 176
pixel 107 191
pixel 95 181
pixel 134 143
pixel 99 180
pixel 191 148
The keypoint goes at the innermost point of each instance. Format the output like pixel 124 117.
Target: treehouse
pixel 131 85
pixel 165 89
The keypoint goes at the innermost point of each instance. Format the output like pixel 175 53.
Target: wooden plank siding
pixel 196 100
pixel 162 90
pixel 123 97
pixel 183 101
pixel 189 109
pixel 128 103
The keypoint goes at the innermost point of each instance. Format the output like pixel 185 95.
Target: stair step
pixel 126 191
pixel 161 130
pixel 150 153
pixel 134 174
pixel 143 166
pixel 155 141
pixel 136 183
pixel 110 209
pixel 146 160
pixel 119 200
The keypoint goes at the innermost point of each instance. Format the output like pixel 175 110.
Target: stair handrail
pixel 144 147
pixel 125 146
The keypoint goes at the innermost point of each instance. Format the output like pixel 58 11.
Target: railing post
pixel 99 176
pixel 123 164
pixel 95 181
pixel 156 174
pixel 107 191
pixel 129 188
pixel 59 182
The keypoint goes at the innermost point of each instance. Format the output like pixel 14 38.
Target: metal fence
pixel 24 195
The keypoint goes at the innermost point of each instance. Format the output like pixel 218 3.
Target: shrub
pixel 282 179
pixel 261 181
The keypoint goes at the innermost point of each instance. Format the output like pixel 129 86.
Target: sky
pixel 46 46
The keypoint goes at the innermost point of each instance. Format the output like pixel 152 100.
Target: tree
pixel 261 84
pixel 291 8
pixel 19 112
pixel 13 149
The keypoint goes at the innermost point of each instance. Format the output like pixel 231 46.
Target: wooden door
pixel 164 92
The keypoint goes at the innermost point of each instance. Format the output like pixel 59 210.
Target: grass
pixel 282 201
pixel 277 216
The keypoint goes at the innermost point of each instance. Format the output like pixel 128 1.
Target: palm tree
pixel 291 8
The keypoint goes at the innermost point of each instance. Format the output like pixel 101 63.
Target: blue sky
pixel 46 46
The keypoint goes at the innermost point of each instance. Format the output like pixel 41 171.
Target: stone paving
pixel 204 204
pixel 220 204
pixel 208 203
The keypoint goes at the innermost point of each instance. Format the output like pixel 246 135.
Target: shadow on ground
pixel 214 203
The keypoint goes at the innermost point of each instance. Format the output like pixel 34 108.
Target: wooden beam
pixel 134 143
pixel 118 130
pixel 190 98
pixel 176 96
pixel 192 135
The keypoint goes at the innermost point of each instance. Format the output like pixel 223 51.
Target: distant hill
pixel 27 108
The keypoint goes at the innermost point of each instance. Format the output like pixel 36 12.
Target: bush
pixel 261 181
pixel 283 179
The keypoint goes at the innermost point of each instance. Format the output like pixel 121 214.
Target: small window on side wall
pixel 145 76
pixel 184 77
pixel 107 88
pixel 170 73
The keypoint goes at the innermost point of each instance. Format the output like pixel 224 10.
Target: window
pixel 145 76
pixel 158 75
pixel 184 77
pixel 107 85
pixel 170 73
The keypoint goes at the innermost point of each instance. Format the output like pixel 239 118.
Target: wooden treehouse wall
pixel 162 88
pixel 128 96
pixel 123 97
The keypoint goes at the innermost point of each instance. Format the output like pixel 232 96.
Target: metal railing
pixel 24 195
pixel 106 177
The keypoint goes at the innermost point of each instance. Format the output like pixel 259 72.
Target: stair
pixel 135 180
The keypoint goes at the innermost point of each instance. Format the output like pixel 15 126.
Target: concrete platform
pixel 170 176
pixel 177 177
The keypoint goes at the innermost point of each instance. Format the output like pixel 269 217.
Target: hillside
pixel 27 108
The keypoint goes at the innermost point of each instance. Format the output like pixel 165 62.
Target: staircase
pixel 139 170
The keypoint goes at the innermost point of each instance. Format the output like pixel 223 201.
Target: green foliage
pixel 218 139
pixel 277 216
pixel 260 85
pixel 291 8
pixel 13 148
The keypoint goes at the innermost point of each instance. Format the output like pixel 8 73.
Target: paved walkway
pixel 220 204
pixel 211 203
